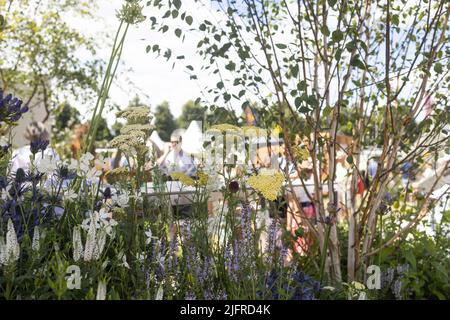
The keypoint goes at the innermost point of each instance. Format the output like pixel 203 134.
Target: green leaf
pixel 174 13
pixel 189 20
pixel 351 46
pixel 327 111
pixel 295 70
pixel 409 256
pixel 337 35
pixel 224 49
pixel 325 31
pixel 395 19
pixel 438 68
pixel 331 3
pixel 302 85
pixel 304 109
pixel 178 32
pixel 312 101
pixel 220 85
pixel 231 66
pixel 281 46
pixel 177 4
pixel 149 47
pixel 349 159
pixel 356 62
pixel 168 54
pixel 338 54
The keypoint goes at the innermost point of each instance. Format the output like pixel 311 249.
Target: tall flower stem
pixel 324 252
pixel 106 85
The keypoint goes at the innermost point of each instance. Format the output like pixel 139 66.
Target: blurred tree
pixel 66 116
pixel 220 115
pixel 164 121
pixel 116 128
pixel 38 46
pixel 103 132
pixel 190 112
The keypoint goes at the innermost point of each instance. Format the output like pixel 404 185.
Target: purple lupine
pixel 246 253
pixel 172 253
pixel 207 294
pixel 221 295
pixel 154 245
pixel 228 257
pixel 282 257
pixel 235 266
pixel 397 289
pixel 190 296
pixel 147 278
pixel 271 240
pixel 160 266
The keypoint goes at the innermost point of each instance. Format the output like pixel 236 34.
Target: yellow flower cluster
pixel 183 178
pixel 268 184
pixel 300 153
pixel 202 178
pixel 117 175
pixel 254 131
pixel 225 127
pixel 126 143
pixel 188 181
pixel 135 113
pixel 247 130
pixel 135 127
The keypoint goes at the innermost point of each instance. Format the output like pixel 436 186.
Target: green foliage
pixel 38 48
pixel 190 112
pixel 164 121
pixel 66 116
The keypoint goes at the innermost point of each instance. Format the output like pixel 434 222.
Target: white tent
pixel 193 138
pixel 157 141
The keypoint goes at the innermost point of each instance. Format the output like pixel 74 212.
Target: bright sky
pixel 154 78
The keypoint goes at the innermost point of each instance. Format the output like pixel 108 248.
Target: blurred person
pixel 174 159
pixel 296 216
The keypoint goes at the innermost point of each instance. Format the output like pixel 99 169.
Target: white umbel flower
pixel 101 290
pixel 35 245
pixel 77 244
